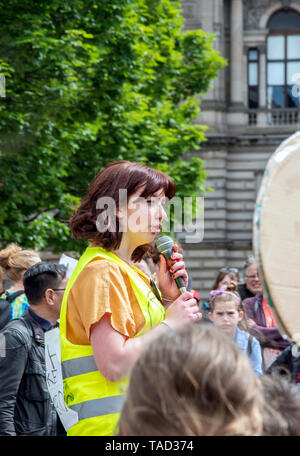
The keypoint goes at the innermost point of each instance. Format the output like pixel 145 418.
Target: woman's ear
pixel 121 212
pixel 241 315
pixel 210 316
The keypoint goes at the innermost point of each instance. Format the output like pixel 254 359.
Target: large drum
pixel 276 236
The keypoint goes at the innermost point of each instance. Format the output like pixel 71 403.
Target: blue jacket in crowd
pixel 241 339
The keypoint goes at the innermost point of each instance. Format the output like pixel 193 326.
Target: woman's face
pixel 225 281
pixel 144 216
pixel 225 316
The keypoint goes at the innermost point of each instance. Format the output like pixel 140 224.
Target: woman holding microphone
pixel 111 309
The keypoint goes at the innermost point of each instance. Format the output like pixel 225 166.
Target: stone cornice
pixel 260 46
pixel 228 244
pixel 232 140
pixel 213 105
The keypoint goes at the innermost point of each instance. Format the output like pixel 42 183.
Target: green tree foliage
pixel 87 83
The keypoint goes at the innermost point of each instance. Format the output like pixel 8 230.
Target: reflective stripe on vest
pixel 78 366
pixel 99 407
pixel 86 390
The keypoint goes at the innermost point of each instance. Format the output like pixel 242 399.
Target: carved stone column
pixel 262 115
pixel 262 75
pixel 236 50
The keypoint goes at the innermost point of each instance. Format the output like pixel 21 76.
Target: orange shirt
pixel 270 321
pixel 102 287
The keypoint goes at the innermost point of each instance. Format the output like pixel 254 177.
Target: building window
pixel 253 71
pixel 283 59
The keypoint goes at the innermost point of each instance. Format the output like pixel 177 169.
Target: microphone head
pixel 164 244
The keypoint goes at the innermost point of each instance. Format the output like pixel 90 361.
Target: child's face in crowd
pixel 226 316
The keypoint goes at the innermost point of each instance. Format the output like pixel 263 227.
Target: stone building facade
pixel 251 108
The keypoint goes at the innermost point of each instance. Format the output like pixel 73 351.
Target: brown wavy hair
pixel 192 381
pixel 282 405
pixel 122 174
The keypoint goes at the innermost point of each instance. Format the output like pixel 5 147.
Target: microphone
pixel 164 245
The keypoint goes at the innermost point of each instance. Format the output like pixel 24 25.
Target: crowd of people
pixel 137 356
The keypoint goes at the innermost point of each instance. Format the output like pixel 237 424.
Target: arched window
pixel 283 59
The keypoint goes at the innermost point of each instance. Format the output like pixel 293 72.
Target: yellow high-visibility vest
pixel 97 400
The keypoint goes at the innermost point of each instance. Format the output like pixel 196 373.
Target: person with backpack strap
pixel 227 314
pixel 26 407
pixel 15 261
